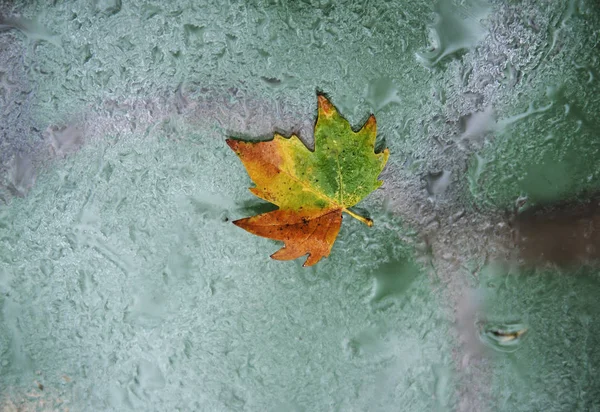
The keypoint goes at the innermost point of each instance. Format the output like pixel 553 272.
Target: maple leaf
pixel 311 188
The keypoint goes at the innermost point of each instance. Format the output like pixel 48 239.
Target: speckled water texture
pixel 124 285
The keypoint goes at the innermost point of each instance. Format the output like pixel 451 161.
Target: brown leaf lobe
pixel 301 233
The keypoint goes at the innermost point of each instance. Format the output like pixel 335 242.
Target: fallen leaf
pixel 311 188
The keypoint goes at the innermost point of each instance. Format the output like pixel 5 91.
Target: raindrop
pixel 393 279
pixel 455 28
pixel 476 125
pixel 381 93
pixel 21 175
pixel 108 7
pixel 64 140
pixel 149 376
pixel 30 28
pixel 438 182
pixel 502 337
pixel 193 35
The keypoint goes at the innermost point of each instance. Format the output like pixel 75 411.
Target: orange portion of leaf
pixel 302 233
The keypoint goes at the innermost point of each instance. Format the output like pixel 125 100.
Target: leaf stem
pixel 363 219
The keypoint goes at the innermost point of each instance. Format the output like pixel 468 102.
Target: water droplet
pixel 502 337
pixel 149 376
pixel 30 28
pixel 193 35
pixel 531 110
pixel 443 388
pixel 64 140
pixel 21 175
pixel 455 28
pixel 393 279
pixel 381 93
pixel 108 7
pixel 476 125
pixel 438 182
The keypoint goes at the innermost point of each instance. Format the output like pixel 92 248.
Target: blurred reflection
pixel 565 234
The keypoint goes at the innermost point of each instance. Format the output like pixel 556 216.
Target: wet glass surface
pixel 124 285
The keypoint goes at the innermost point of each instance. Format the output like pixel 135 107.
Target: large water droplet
pixel 438 182
pixel 30 28
pixel 382 92
pixel 66 139
pixel 393 279
pixel 149 376
pixel 108 7
pixel 502 337
pixel 476 125
pixel 455 28
pixel 21 175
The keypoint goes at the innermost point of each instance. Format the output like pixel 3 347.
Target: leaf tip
pixel 233 144
pixel 371 123
pixel 325 106
pixel 241 223
pixel 369 129
pixel 311 260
